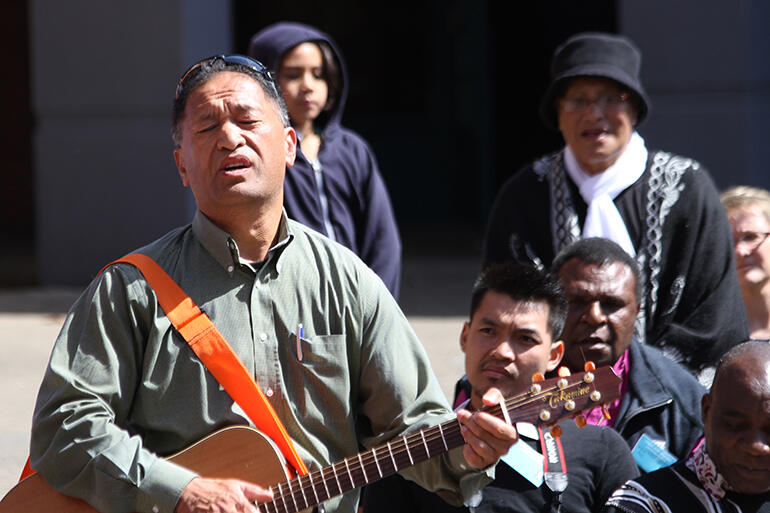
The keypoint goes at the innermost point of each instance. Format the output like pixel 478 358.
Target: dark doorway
pixel 17 195
pixel 447 95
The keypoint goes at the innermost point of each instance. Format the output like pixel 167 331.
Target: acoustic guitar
pixel 242 452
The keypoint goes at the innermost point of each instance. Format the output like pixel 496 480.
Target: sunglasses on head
pixel 240 60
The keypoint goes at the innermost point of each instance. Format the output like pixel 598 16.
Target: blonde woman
pixel 748 210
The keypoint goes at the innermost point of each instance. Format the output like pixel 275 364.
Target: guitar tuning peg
pixel 556 431
pixel 606 412
pixel 580 421
pixel 538 376
pixel 563 372
pixel 589 366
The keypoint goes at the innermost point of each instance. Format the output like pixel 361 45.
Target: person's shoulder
pixel 537 169
pixel 323 251
pixel 667 158
pixel 603 435
pixel 121 278
pixel 168 244
pixel 309 237
pixel 319 263
pixel 642 494
pixel 347 152
pixel 164 250
pixel 679 167
pixel 666 369
pixel 530 178
pixel 342 138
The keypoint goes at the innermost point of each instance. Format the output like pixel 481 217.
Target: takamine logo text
pixel 554 399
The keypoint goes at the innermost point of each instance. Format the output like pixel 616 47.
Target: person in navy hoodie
pixel 334 186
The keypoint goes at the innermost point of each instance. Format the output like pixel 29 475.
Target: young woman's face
pixel 300 77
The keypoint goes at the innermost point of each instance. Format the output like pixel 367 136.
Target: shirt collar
pixel 701 463
pixel 223 247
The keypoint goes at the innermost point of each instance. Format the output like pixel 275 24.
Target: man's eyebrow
pixel 205 114
pixel 242 108
pixel 530 332
pixel 586 294
pixel 487 320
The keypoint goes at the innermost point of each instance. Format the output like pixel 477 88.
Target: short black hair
pixel 600 252
pixel 204 72
pixel 526 283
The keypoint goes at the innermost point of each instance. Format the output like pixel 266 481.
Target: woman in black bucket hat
pixel 594 54
pixel 660 207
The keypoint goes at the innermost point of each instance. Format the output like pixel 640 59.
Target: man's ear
pixel 705 407
pixel 179 159
pixel 556 354
pixel 464 335
pixel 291 146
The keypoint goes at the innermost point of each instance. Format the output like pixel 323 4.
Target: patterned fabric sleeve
pixel 634 498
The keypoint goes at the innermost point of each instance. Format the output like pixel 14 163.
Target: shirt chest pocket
pixel 320 382
pixel 323 355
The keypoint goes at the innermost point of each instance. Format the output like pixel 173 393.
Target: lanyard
pixel 554 465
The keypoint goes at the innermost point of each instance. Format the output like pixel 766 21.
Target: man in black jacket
pixel 659 407
pixel 730 471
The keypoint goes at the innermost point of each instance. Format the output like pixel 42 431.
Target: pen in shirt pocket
pixel 300 334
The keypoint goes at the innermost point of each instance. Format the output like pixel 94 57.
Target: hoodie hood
pixel 270 44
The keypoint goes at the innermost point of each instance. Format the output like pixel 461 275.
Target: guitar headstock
pixel 550 400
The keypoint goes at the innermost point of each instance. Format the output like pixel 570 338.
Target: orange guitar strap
pixel 215 353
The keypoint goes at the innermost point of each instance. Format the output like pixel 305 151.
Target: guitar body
pixel 238 452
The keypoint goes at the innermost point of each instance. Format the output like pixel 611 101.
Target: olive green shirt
pixel 123 387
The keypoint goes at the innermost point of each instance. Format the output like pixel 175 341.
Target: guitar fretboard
pixel 319 485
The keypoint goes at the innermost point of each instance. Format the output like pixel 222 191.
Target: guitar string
pixel 432 434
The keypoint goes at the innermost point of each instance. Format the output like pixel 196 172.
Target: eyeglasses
pixel 750 240
pixel 240 60
pixel 603 103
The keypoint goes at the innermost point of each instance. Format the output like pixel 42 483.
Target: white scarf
pixel 598 191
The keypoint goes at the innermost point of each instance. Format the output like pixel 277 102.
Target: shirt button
pixel 263 336
pixel 269 392
pixel 230 269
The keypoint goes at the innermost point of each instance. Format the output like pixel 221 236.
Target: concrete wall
pixel 706 66
pixel 103 80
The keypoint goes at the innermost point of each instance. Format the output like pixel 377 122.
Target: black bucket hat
pixel 594 54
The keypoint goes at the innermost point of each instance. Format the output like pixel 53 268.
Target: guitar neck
pixel 307 491
pixel 545 403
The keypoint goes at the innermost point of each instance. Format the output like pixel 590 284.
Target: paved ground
pixel 434 297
